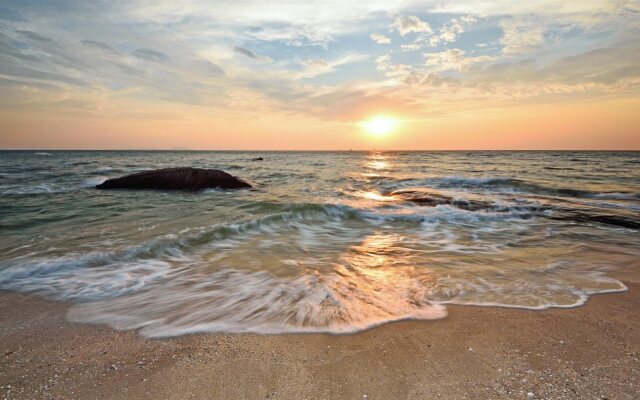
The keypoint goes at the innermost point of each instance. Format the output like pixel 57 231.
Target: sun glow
pixel 379 125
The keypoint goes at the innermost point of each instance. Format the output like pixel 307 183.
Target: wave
pixel 506 185
pixel 94 181
pixel 355 295
pixel 41 188
pixel 580 296
pixel 560 168
pixel 564 211
pixel 22 274
pixel 302 268
pixel 89 277
pixel 233 167
pixel 615 196
pixel 39 275
pixel 234 301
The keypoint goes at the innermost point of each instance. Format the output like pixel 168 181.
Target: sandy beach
pixel 590 352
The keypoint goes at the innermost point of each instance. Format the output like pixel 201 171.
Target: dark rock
pixel 568 210
pixel 176 179
pixel 432 199
pixel 258 159
pixel 592 217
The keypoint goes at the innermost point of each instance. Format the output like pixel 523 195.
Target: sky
pixel 284 75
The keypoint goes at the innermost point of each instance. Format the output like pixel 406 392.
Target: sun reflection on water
pixel 377 165
pixel 377 196
pixel 379 278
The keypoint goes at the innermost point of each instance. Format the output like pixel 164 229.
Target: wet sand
pixel 590 352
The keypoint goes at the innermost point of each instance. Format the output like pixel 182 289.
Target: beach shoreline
pixel 589 352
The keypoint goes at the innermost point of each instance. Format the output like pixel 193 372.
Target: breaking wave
pixel 508 185
pixel 342 275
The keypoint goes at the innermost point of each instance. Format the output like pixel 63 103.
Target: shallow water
pixel 327 242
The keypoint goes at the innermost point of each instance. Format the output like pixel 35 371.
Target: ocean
pixel 331 242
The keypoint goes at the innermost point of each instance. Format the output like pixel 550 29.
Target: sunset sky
pixel 148 74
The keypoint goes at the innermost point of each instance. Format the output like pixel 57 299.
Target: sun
pixel 379 125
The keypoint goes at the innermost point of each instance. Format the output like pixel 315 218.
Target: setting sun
pixel 379 125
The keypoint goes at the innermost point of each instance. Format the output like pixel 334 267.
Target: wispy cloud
pixel 245 52
pixel 316 67
pixel 150 55
pixel 521 36
pixel 453 59
pixel 379 38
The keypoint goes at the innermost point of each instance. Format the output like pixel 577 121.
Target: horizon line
pixel 316 150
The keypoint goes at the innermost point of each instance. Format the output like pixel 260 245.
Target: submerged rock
pixel 565 210
pixel 258 159
pixel 433 198
pixel 593 217
pixel 176 179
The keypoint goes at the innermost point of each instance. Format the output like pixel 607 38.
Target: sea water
pixel 325 242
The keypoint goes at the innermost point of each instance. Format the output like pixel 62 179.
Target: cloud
pixel 521 37
pixel 98 45
pixel 379 39
pixel 450 31
pixel 289 34
pixel 603 66
pixel 410 23
pixel 27 75
pixel 212 68
pixel 316 67
pixel 87 58
pixel 468 19
pixel 383 62
pixel 34 36
pixel 452 60
pixel 150 55
pixel 245 52
pixel 410 47
pixel 481 83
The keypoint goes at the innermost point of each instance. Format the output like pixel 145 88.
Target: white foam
pixel 234 301
pixel 41 188
pixel 82 278
pixel 94 181
pixel 616 196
